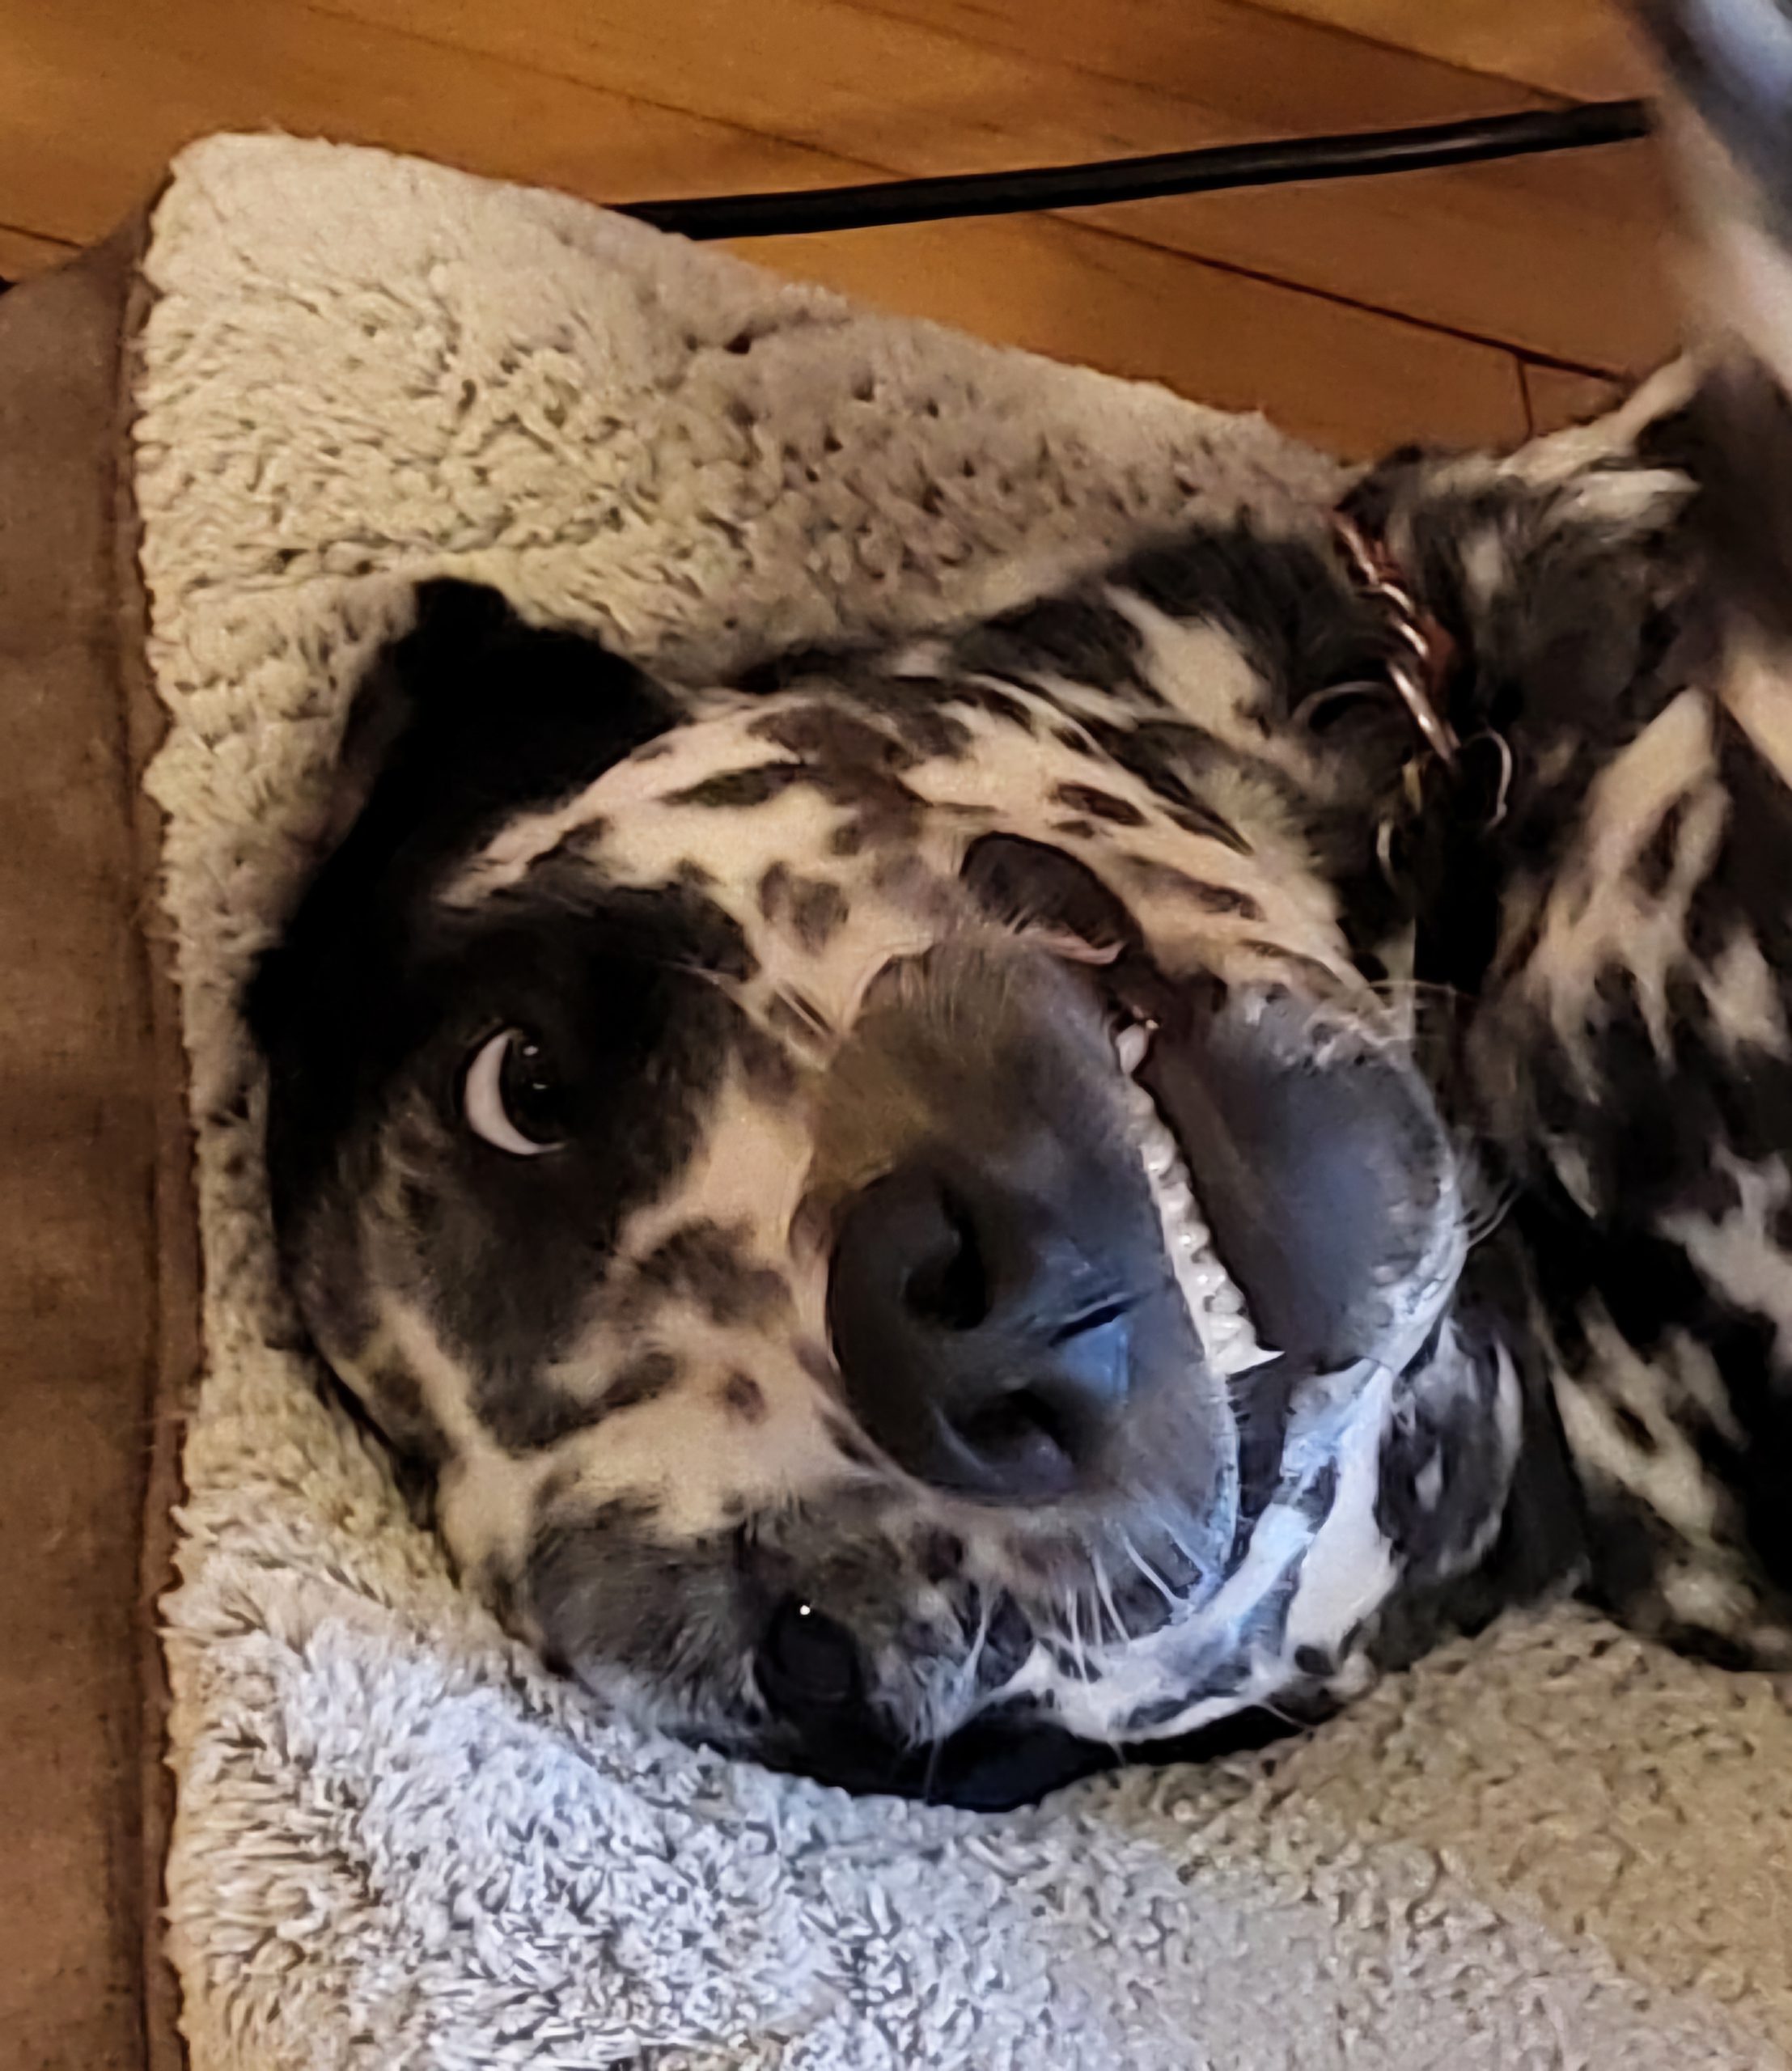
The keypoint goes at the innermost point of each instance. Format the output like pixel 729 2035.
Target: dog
pixel 1085 1184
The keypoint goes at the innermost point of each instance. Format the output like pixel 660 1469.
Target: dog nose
pixel 986 1348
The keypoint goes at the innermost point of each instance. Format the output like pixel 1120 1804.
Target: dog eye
pixel 511 1096
pixel 807 1661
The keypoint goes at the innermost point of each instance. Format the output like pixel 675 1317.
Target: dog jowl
pixel 899 1202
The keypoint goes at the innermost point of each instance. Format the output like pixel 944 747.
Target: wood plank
pixel 95 100
pixel 22 253
pixel 1556 257
pixel 1356 382
pixel 1567 248
pixel 1555 398
pixel 1276 60
pixel 96 96
pixel 1580 48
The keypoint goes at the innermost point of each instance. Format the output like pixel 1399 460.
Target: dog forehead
pixel 829 833
pixel 997 717
pixel 741 784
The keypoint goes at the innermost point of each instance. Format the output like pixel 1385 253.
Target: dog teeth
pixel 1130 1045
pixel 1160 1160
pixel 1216 1304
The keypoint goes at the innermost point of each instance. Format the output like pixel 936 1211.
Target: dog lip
pixel 1318 1163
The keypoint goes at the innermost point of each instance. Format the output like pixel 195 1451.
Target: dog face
pixel 883 1197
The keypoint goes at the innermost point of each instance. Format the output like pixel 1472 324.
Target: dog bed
pixel 398 1841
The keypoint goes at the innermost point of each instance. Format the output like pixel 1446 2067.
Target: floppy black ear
pixel 469 718
pixel 474 714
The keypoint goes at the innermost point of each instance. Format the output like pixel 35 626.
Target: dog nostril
pixel 1017 1426
pixel 952 1289
pixel 1098 1318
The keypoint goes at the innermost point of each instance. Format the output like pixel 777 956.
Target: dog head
pixel 862 1187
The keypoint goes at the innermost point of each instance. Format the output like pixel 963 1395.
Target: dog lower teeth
pixel 1215 1303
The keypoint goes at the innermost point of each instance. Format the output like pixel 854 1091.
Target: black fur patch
pixel 1099 804
pixel 737 789
pixel 1078 638
pixel 1030 884
pixel 527 1413
pixel 704 1264
pixel 1204 820
pixel 813 908
pixel 396 1399
pixel 743 1398
pixel 1000 704
pixel 1302 624
pixel 646 1378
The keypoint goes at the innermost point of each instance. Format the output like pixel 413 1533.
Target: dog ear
pixel 474 714
pixel 470 717
pixel 1727 114
pixel 448 615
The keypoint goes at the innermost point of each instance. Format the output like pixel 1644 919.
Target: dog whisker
pixel 1180 1546
pixel 1104 1595
pixel 1484 1217
pixel 1149 1573
pixel 963 1684
pixel 1080 1640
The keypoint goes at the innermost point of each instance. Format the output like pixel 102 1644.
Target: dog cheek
pixel 607 1594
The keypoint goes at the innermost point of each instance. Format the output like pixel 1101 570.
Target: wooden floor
pixel 1463 305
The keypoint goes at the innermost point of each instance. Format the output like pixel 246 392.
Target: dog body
pixel 938 1214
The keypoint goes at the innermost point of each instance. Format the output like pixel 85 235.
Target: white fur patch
pixel 1757 691
pixel 1668 1477
pixel 1740 1254
pixel 1346 1570
pixel 1599 916
pixel 1197 666
pixel 1349 1568
pixel 1564 457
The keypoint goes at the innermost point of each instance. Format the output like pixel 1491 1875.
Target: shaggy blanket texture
pixel 400 1843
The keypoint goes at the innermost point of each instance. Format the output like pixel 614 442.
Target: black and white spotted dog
pixel 939 1214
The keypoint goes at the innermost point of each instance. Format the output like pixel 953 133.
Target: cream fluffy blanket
pixel 398 1842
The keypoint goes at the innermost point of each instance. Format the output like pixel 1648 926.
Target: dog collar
pixel 1423 656
pixel 1431 843
pixel 1421 664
